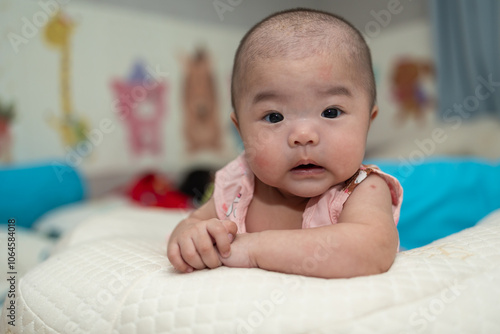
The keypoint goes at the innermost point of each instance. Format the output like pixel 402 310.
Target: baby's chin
pixel 307 192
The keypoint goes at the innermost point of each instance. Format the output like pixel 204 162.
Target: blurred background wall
pixel 115 87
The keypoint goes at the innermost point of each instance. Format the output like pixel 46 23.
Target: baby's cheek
pixel 255 157
pixel 250 153
pixel 258 147
pixel 263 151
pixel 262 162
pixel 262 166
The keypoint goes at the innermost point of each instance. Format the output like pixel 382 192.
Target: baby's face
pixel 304 123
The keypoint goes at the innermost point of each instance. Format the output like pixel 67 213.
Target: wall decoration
pixel 142 106
pixel 202 128
pixel 80 97
pixel 7 113
pixel 71 127
pixel 408 86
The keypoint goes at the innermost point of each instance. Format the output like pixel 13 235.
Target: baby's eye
pixel 331 113
pixel 274 117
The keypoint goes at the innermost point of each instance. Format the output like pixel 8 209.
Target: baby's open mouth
pixel 306 167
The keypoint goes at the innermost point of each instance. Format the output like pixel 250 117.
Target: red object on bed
pixel 154 189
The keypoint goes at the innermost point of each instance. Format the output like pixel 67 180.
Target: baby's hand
pixel 241 252
pixel 193 243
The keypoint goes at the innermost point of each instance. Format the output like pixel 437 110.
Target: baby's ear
pixel 234 118
pixel 373 113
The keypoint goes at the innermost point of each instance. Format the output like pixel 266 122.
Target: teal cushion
pixel 28 191
pixel 443 196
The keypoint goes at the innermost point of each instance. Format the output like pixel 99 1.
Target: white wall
pixel 245 13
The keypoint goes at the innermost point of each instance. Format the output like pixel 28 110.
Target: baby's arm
pixel 363 242
pixel 192 243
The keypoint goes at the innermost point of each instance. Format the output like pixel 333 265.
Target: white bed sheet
pixel 30 249
pixel 111 275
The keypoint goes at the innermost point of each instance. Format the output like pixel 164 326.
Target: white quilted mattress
pixel 111 275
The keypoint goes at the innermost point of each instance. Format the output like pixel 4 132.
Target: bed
pixel 108 272
pixel 110 275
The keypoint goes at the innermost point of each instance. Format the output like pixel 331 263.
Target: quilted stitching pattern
pixel 126 285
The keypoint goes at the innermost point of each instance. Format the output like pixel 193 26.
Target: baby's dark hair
pixel 283 35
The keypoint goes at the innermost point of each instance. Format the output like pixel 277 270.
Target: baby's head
pixel 303 94
pixel 299 33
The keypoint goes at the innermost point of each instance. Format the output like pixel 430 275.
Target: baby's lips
pixel 305 162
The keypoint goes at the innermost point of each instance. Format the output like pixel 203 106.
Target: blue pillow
pixel 443 196
pixel 28 191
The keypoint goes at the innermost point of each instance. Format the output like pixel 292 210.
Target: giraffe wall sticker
pixel 141 105
pixel 72 128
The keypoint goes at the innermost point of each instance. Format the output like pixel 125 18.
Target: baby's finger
pixel 190 254
pixel 175 258
pixel 222 240
pixel 231 228
pixel 206 250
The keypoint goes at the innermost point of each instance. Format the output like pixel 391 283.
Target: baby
pixel 298 200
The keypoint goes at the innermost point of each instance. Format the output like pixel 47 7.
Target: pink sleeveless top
pixel 234 186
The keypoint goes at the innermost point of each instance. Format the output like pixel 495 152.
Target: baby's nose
pixel 303 134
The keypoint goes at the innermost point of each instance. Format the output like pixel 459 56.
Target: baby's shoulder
pixel 363 172
pixel 371 185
